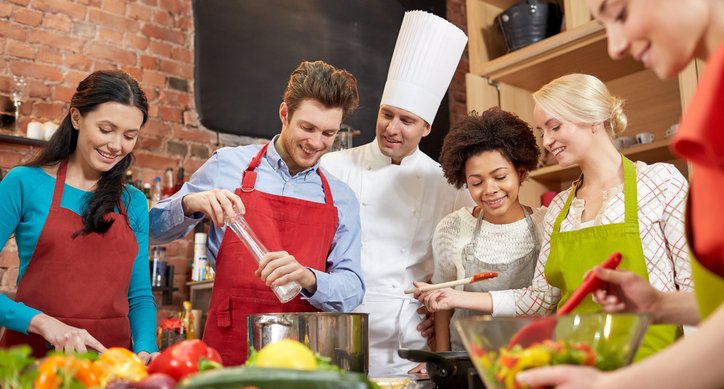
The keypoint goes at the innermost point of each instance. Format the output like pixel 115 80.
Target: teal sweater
pixel 25 197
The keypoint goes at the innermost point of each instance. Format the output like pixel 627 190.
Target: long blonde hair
pixel 582 99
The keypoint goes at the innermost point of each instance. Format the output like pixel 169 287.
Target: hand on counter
pixel 214 203
pixel 420 372
pixel 279 268
pixel 147 358
pixel 62 336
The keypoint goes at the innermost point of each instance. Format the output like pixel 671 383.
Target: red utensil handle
pixel 590 283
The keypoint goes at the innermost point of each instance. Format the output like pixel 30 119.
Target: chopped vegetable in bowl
pixel 606 341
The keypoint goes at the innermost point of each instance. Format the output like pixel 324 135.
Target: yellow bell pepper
pixel 120 364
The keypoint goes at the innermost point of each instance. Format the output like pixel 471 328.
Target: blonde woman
pixel 695 30
pixel 616 205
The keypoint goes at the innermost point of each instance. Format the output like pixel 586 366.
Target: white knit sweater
pixel 498 243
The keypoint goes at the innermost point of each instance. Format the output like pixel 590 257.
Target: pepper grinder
pixel 257 249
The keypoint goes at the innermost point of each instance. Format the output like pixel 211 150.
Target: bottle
pixel 199 252
pixel 238 224
pixel 156 191
pixel 179 179
pixel 168 186
pixel 187 321
pixel 158 266
pixel 202 266
pixel 147 192
pixel 129 176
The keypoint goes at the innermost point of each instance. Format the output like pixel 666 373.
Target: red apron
pixel 80 281
pixel 304 229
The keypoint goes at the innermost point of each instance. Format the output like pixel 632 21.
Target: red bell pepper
pixel 183 359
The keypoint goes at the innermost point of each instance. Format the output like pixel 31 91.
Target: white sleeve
pixel 448 264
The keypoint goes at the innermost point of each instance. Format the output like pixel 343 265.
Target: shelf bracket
pixel 496 85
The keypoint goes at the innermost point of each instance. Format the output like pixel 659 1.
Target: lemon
pixel 286 354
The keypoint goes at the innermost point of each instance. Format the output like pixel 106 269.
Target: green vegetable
pixel 14 368
pixel 233 378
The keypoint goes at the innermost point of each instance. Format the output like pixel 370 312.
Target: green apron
pixel 708 286
pixel 574 253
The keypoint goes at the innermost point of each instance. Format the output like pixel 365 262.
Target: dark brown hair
pixel 334 88
pixel 100 87
pixel 493 130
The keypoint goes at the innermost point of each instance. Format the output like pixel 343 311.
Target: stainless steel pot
pixel 343 337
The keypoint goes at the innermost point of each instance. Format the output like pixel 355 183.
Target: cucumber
pixel 267 378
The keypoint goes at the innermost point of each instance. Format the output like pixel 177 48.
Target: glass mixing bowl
pixel 606 341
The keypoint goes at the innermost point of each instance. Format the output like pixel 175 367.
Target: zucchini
pixel 268 378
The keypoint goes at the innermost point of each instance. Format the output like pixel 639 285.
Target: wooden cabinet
pixel 508 80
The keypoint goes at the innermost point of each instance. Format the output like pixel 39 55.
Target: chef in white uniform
pixel 402 191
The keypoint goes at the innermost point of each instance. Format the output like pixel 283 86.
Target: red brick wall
pixel 456 14
pixel 56 43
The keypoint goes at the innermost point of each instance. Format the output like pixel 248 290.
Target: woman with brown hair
pixel 82 232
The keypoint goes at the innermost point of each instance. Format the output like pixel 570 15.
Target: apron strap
pixel 630 194
pixel 59 184
pixel 249 178
pixel 564 212
pixel 325 186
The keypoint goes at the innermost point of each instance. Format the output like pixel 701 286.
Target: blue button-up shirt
pixel 341 288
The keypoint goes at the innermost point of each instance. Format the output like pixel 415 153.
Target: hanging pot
pixel 529 22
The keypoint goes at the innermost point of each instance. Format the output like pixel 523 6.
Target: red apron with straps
pixel 81 281
pixel 304 229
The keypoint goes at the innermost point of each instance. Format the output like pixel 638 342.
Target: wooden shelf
pixel 507 80
pixel 581 49
pixel 21 140
pixel 201 284
pixel 649 153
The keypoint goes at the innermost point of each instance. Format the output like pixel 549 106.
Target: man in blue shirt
pixel 307 219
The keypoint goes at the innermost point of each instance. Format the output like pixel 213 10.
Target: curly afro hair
pixel 493 130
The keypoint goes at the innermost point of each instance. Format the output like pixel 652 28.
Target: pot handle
pixel 443 363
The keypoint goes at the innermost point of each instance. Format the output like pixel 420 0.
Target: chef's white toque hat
pixel 427 52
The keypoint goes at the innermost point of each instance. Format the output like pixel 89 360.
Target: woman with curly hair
pixel 490 154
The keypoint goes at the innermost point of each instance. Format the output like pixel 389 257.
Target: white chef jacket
pixel 400 205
